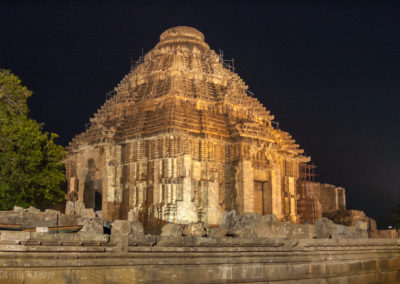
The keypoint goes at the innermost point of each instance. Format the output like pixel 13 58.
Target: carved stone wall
pixel 181 140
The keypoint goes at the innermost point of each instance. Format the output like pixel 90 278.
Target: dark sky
pixel 329 72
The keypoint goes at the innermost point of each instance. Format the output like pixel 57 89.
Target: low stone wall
pixel 246 248
pixel 29 257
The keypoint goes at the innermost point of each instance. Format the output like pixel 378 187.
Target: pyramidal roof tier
pixel 182 85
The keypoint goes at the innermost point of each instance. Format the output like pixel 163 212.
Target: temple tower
pixel 183 141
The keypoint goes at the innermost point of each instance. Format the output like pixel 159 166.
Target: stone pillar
pixel 111 181
pixel 341 198
pixel 81 169
pixel 213 208
pixel 186 209
pixel 247 187
pixel 276 186
pixel 293 205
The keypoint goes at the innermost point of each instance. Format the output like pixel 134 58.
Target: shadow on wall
pixel 93 188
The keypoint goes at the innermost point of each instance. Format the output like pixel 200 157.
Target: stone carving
pixel 182 140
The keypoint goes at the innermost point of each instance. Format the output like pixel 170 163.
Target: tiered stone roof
pixel 181 86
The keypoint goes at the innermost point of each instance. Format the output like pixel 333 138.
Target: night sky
pixel 329 72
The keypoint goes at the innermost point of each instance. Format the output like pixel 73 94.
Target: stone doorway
pixel 262 198
pixel 97 201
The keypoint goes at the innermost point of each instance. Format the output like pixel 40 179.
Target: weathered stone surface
pixel 172 230
pixel 124 227
pixel 42 229
pixel 195 230
pixel 41 219
pixel 11 217
pixel 75 258
pixel 346 217
pixel 99 213
pixel 51 211
pixel 141 240
pixel 67 220
pixel 32 209
pixel 67 239
pixel 132 216
pixel 219 232
pixel 228 220
pixel 87 213
pixel 18 209
pixel 137 228
pixel 260 226
pixel 78 206
pixel 14 237
pixel 121 227
pixel 325 228
pixel 384 234
pixel 91 225
pixel 199 145
pixel 150 259
pixel 69 207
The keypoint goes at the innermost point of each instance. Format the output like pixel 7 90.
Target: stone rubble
pixel 235 230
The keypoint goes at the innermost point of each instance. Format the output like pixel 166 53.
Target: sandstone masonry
pixel 182 140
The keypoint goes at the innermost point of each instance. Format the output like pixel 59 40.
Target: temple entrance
pixel 97 201
pixel 92 195
pixel 262 198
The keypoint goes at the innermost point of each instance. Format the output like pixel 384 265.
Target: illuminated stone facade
pixel 182 140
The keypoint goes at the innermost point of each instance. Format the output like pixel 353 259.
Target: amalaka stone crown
pixel 182 31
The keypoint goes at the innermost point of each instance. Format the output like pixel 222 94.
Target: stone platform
pixel 28 257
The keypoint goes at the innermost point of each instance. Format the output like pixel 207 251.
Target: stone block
pixel 346 217
pixel 99 213
pixel 372 225
pixel 362 225
pixel 32 209
pixel 119 242
pixel 172 241
pixel 384 234
pixel 121 227
pixel 70 207
pixel 132 215
pixel 14 237
pixel 18 209
pixel 125 227
pixel 39 219
pixel 195 229
pixel 144 240
pixel 137 228
pixel 171 230
pixel 91 225
pixel 78 206
pixel 70 239
pixel 218 232
pixel 51 211
pixel 228 220
pixel 67 220
pixel 268 218
pixel 11 217
pixel 323 228
pixel 42 229
pixel 87 213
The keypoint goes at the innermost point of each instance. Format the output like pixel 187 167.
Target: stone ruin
pixel 53 247
pixel 184 177
pixel 182 140
pixel 349 224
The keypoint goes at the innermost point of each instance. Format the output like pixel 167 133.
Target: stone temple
pixel 182 140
